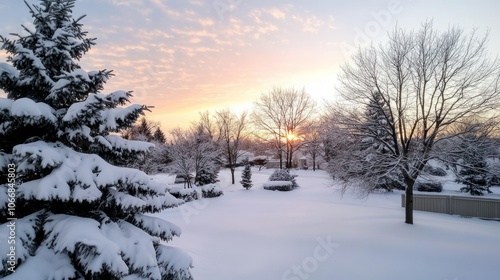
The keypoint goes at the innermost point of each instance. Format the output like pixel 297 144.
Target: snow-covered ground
pixel 313 233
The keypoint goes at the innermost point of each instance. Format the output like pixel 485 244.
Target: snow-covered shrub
pixel 211 190
pixel 284 175
pixel 246 176
pixel 434 171
pixel 184 194
pixel 207 176
pixel 79 215
pixel 429 186
pixel 278 186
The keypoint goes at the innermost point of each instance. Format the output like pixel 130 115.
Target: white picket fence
pixel 456 205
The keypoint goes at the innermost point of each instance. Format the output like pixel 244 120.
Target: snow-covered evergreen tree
pixel 159 136
pixel 246 176
pixel 156 160
pixel 474 173
pixel 78 216
pixel 376 144
pixel 142 130
pixel 377 132
pixel 475 178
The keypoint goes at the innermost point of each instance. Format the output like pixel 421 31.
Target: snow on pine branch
pixel 112 119
pixel 101 110
pixel 70 87
pixel 25 235
pixel 8 71
pixel 78 75
pixel 119 97
pixel 86 109
pixel 137 249
pixel 124 201
pixel 157 227
pixel 84 177
pixel 92 247
pixel 23 53
pixel 45 265
pixel 115 142
pixel 173 262
pixel 37 156
pixel 122 247
pixel 28 109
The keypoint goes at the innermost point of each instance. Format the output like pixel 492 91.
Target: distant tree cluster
pixel 157 159
pixel 195 154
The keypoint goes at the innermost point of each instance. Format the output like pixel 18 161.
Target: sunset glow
pixel 184 57
pixel 291 137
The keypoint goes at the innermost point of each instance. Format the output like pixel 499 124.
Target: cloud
pixel 276 13
pixel 125 2
pixel 192 51
pixel 169 12
pixel 197 2
pixel 152 34
pixel 267 28
pixel 309 23
pixel 194 33
pixel 206 22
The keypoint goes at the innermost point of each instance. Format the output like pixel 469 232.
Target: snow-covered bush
pixel 78 215
pixel 211 190
pixel 184 194
pixel 246 176
pixel 284 175
pixel 207 176
pixel 429 186
pixel 434 171
pixel 278 186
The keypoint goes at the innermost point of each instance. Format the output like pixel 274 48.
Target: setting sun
pixel 290 136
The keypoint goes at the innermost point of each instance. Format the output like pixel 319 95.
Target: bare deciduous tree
pixel 313 139
pixel 279 115
pixel 193 151
pixel 180 149
pixel 428 81
pixel 231 133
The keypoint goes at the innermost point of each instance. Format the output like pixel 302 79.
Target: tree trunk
pixel 281 160
pixel 409 202
pixel 232 175
pixel 314 161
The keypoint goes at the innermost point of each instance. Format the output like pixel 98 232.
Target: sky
pixel 189 56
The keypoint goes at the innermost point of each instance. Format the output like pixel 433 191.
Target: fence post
pixel 450 201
